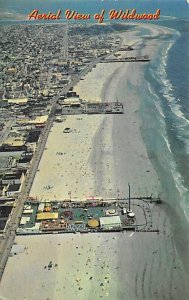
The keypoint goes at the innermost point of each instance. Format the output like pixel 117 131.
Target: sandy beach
pixel 86 162
pixel 99 157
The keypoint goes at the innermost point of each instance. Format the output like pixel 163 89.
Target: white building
pixel 110 222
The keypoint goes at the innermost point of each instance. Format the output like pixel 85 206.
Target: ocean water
pixel 165 107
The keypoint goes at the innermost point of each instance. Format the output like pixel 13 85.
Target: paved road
pixel 10 232
pixel 4 133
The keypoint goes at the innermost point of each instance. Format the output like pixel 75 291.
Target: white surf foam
pixel 175 107
pixel 167 142
pixel 167 92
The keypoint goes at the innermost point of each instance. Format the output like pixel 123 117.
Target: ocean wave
pixel 164 59
pixel 167 143
pixel 183 191
pixel 178 182
pixel 177 178
pixel 176 109
pixel 156 100
pixel 167 88
pixel 180 120
pixel 157 104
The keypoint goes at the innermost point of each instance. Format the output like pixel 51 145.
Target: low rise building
pixel 110 222
pixel 13 190
pixel 47 216
pixel 13 178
